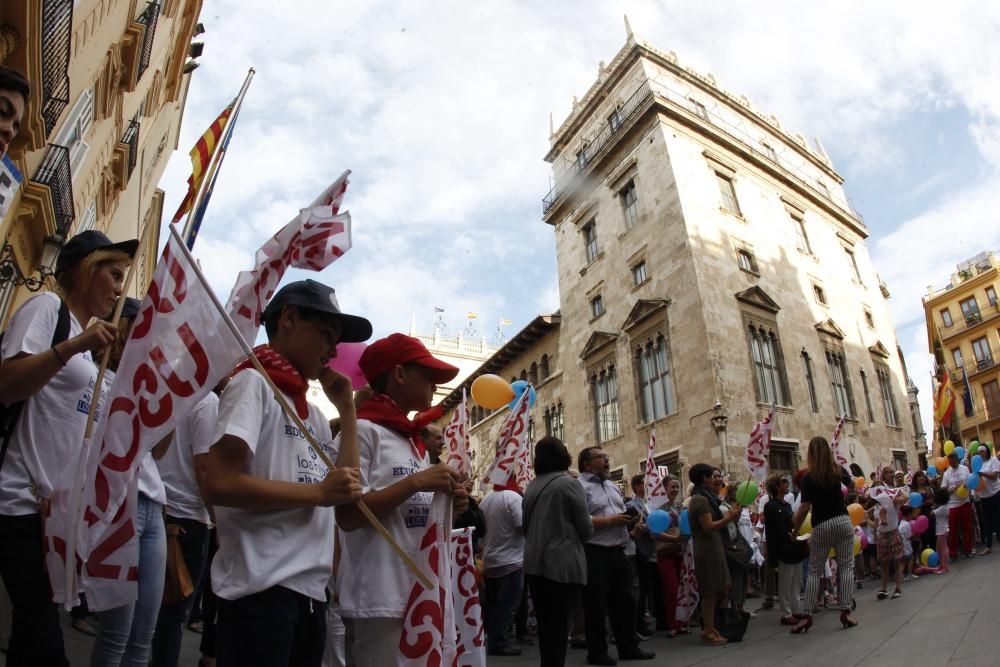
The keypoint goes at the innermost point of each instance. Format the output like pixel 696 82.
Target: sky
pixel 441 110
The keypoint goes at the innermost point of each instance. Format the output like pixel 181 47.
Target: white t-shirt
pixel 372 580
pixel 992 486
pixel 951 480
pixel 887 514
pixel 292 548
pixel 192 436
pixel 504 537
pixel 906 532
pixel 941 521
pixel 49 432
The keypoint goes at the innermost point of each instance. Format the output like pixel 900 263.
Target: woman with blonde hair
pixel 831 528
pixel 49 366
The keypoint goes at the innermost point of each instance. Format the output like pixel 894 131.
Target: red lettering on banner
pixel 116 463
pixel 146 376
pixel 96 566
pixel 182 388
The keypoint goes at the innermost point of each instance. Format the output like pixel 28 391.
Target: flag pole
pixel 218 157
pixel 372 519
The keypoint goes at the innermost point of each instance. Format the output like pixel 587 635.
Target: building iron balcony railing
pixel 131 139
pixel 57 24
pixel 984 363
pixel 972 318
pixel 55 173
pixel 148 18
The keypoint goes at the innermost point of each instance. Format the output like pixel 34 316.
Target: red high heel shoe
pixel 846 620
pixel 803 625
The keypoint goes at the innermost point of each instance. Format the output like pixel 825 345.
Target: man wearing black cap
pixel 399 484
pixel 270 489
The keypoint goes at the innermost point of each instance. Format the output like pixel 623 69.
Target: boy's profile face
pixel 309 342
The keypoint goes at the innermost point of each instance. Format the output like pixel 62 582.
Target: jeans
pixel 35 639
pixel 503 595
pixel 608 592
pixel 193 539
pixel 274 628
pixel 554 603
pixel 960 521
pixel 126 633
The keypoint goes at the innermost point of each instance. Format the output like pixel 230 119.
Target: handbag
pixel 670 549
pixel 177 584
pixel 739 554
pixel 731 623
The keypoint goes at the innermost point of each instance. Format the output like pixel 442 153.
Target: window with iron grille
pixel 554 421
pixel 728 192
pixel 590 241
pixel 605 388
pixel 970 309
pixel 656 388
pixel 840 382
pixel 900 460
pixel 770 380
pixel 630 204
pixel 984 356
pixel 615 119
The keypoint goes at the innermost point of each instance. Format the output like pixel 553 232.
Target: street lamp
pixel 719 421
pixel 11 275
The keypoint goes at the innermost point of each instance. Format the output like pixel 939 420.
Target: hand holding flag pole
pixel 293 415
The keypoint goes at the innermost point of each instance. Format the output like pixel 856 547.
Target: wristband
pixel 59 357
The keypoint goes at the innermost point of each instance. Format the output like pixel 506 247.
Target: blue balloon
pixel 932 472
pixel 916 500
pixel 519 386
pixel 960 453
pixel 933 560
pixel 977 463
pixel 684 523
pixel 972 481
pixel 658 521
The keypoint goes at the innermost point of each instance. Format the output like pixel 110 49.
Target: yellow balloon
pixel 857 545
pixel 492 391
pixel 924 555
pixel 962 492
pixel 807 525
pixel 949 447
pixel 832 553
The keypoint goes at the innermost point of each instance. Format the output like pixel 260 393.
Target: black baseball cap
pixel 316 296
pixel 87 242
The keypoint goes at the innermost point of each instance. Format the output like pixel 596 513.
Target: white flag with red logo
pixel 836 446
pixel 457 441
pixel 178 350
pixel 759 445
pixel 428 637
pixel 317 236
pixel 512 447
pixel 656 495
pixel 470 639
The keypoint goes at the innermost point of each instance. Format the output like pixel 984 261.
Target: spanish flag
pixel 944 398
pixel 201 157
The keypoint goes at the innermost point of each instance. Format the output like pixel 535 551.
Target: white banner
pixel 456 437
pixel 512 445
pixel 656 495
pixel 470 641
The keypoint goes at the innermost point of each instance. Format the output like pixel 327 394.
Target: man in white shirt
pixel 272 492
pixel 990 496
pixel 503 563
pixel 959 507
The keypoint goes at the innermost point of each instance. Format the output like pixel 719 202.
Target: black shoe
pixel 525 641
pixel 602 660
pixel 505 650
pixel 637 654
pixel 578 643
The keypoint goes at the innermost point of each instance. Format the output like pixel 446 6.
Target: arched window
pixel 533 373
pixel 544 367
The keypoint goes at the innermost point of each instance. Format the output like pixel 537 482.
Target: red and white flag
pixel 656 495
pixel 759 446
pixel 457 440
pixel 512 448
pixel 835 444
pixel 178 350
pixel 317 236
pixel 428 637
pixel 470 636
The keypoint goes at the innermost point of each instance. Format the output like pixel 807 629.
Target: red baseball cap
pixel 396 349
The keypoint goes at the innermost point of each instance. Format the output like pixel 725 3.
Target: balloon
pixel 658 521
pixel 684 523
pixel 807 525
pixel 831 553
pixel 916 500
pixel 960 453
pixel 864 540
pixel 746 492
pixel 919 525
pixel 346 362
pixel 972 481
pixel 925 556
pixel 857 545
pixel 857 513
pixel 977 463
pixel 932 472
pixel 974 445
pixel 491 391
pixel 949 447
pixel 962 492
pixel 859 483
pixel 519 388
pixel 933 560
pixel 941 464
pixel 844 491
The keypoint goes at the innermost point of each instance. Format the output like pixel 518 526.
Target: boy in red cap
pixel 270 489
pixel 373 582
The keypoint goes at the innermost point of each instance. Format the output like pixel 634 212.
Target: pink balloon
pixel 843 489
pixel 919 525
pixel 346 362
pixel 864 540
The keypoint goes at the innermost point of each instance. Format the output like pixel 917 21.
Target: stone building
pixel 109 80
pixel 963 333
pixel 710 265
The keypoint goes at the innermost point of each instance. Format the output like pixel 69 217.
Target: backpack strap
pixel 10 414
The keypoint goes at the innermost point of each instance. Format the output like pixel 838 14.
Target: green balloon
pixel 746 492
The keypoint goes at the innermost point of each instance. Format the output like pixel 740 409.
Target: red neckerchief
pixel 283 374
pixel 382 410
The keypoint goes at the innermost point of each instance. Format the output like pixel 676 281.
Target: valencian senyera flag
pixel 201 157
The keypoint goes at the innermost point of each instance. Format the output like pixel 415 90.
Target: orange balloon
pixel 859 483
pixel 941 464
pixel 857 513
pixel 492 391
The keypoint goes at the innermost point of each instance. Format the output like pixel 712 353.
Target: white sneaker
pixel 984 551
